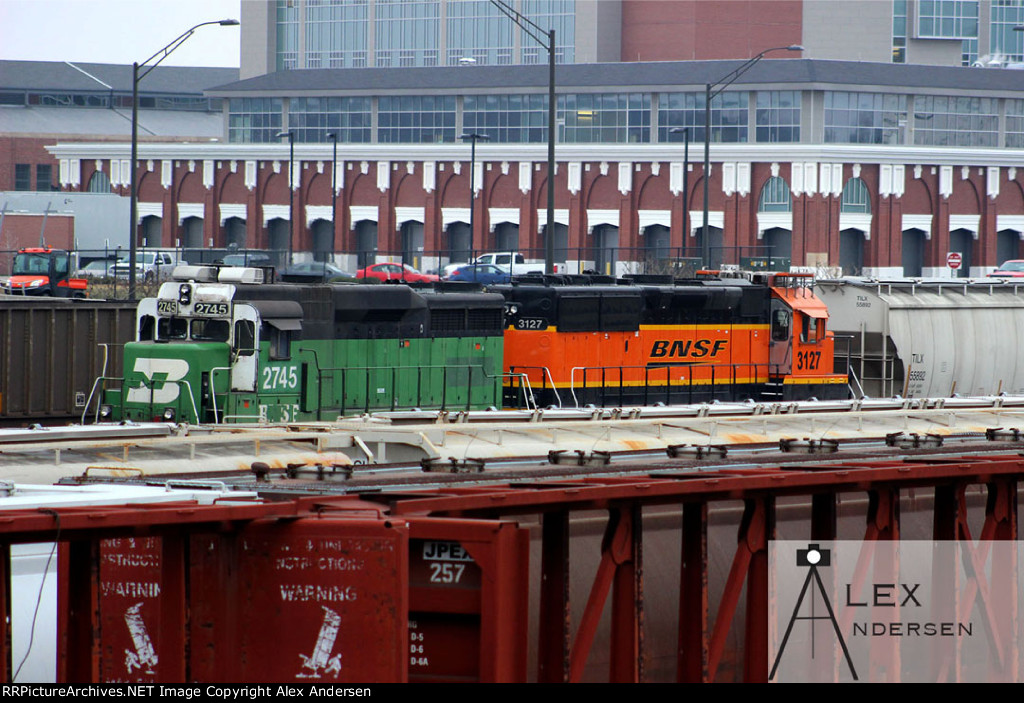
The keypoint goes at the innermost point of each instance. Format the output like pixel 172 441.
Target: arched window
pixel 855 197
pixel 99 183
pixel 775 197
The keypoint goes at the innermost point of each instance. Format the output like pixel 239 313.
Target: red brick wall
pixel 662 30
pixel 23 231
pixel 25 150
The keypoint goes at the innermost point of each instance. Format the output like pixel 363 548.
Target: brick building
pixel 45 102
pixel 875 168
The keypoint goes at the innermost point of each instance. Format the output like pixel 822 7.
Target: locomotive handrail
pixel 346 370
pixel 92 391
pixel 147 383
pixel 528 396
pixel 213 390
pixel 98 405
pixel 668 381
pixel 545 371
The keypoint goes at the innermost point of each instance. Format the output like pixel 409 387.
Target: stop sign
pixel 954 259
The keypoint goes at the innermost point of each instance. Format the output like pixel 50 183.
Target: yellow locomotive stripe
pixel 630 384
pixel 798 380
pixel 660 328
pixel 703 328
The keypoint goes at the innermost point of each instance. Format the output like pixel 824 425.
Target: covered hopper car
pixel 216 351
pixel 929 339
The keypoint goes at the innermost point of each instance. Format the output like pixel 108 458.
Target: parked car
pixel 510 262
pixel 1013 268
pixel 313 269
pixel 395 272
pixel 149 265
pixel 255 260
pixel 480 273
pixel 95 269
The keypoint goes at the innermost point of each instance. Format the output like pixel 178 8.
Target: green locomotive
pixel 222 346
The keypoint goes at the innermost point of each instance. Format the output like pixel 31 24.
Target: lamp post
pixel 136 77
pixel 291 189
pixel 711 91
pixel 686 177
pixel 333 136
pixel 547 40
pixel 472 137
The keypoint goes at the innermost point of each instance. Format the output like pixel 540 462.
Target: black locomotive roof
pixel 364 311
pixel 626 306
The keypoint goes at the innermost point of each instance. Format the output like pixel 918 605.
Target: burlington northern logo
pixel 687 349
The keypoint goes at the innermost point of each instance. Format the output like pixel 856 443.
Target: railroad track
pixel 460 442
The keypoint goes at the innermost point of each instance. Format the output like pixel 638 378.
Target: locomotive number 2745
pixel 280 377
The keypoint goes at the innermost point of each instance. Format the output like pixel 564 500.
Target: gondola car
pixel 590 341
pixel 223 349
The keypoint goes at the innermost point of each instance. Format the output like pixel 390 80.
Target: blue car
pixel 486 274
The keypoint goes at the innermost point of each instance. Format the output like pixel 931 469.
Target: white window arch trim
pixel 716 218
pixel 921 222
pixel 856 220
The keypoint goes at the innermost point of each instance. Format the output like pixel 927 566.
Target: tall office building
pixel 288 34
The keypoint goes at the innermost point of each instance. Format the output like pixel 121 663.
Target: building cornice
pixel 720 153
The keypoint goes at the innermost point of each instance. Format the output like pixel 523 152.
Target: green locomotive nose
pixel 172 382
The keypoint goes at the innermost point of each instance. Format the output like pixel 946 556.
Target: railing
pixel 146 383
pixel 710 380
pixel 844 363
pixel 369 371
pixel 522 373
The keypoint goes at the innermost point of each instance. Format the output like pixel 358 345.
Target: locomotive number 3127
pixel 808 360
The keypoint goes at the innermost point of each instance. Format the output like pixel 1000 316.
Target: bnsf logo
pixel 680 349
pixel 161 375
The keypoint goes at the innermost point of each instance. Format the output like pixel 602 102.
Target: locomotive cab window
pixel 210 330
pixel 781 321
pixel 245 338
pixel 171 328
pixel 147 328
pixel 280 343
pixel 280 333
pixel 809 330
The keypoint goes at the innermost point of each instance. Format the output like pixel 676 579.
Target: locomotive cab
pixel 801 348
pixel 192 340
pixel 196 356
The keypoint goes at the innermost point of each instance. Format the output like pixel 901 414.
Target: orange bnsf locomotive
pixel 655 340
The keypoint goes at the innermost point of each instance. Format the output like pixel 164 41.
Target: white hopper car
pixel 923 339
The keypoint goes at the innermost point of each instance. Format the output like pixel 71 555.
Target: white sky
pixel 118 31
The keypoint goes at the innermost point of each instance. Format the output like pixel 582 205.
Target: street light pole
pixel 686 177
pixel 291 189
pixel 712 91
pixel 546 38
pixel 472 137
pixel 333 136
pixel 133 199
